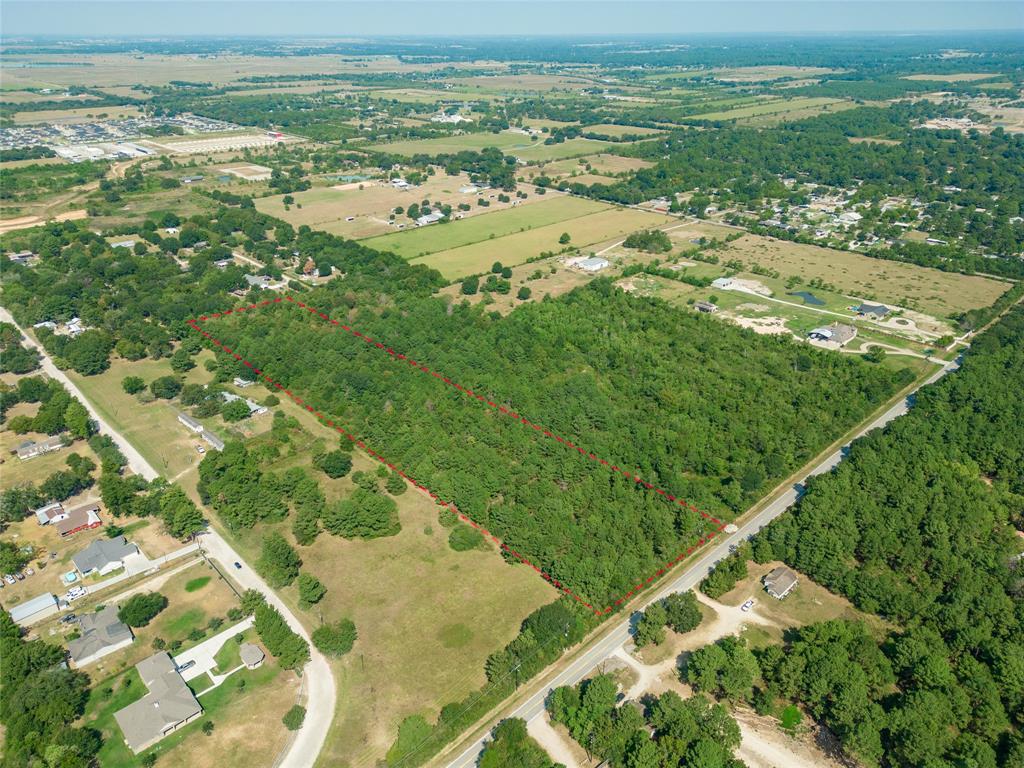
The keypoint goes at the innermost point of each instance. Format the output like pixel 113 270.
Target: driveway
pixel 204 653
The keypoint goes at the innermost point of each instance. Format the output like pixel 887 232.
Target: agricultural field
pixel 602 164
pixel 774 108
pixel 612 129
pixel 329 208
pixel 774 72
pixel 516 248
pixel 938 293
pixel 421 241
pixel 952 77
pixel 510 143
pixel 77 115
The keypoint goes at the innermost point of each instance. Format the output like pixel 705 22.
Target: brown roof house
pixel 102 633
pixel 168 706
pixel 779 582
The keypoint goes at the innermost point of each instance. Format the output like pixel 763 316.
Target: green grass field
pixel 426 240
pixel 517 248
pixel 510 143
pixel 777 107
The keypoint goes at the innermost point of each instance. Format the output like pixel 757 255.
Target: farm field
pixel 76 115
pixel 952 77
pixel 612 129
pixel 517 248
pixel 427 616
pixel 938 293
pixel 510 143
pixel 602 163
pixel 421 241
pixel 328 208
pixel 774 107
pixel 771 72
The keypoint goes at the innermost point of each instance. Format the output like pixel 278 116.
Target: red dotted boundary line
pixel 195 325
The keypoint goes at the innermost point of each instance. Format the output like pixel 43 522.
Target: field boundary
pixel 195 324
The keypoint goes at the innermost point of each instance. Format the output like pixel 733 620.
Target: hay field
pixel 426 240
pixel 953 77
pixel 517 248
pixel 76 115
pixel 774 107
pixel 510 143
pixel 757 74
pixel 613 129
pixel 939 293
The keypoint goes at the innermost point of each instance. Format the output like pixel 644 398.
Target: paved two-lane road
pixel 604 647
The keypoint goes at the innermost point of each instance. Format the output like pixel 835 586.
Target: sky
pixel 340 18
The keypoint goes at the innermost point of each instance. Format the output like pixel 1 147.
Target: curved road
pixel 322 693
pixel 608 643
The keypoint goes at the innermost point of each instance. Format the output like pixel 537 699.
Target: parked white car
pixel 747 605
pixel 74 593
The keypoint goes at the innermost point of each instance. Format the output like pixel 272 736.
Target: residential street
pixel 319 682
pixel 609 643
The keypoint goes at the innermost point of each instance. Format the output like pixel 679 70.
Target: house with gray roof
pixel 779 582
pixel 168 706
pixel 104 556
pixel 102 633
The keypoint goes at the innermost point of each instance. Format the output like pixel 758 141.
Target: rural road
pixel 607 645
pixel 322 693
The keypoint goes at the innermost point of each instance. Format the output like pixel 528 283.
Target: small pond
pixel 808 297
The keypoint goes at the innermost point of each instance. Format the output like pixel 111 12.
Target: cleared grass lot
pixel 426 240
pixel 510 143
pixel 930 290
pixel 776 107
pixel 79 115
pixel 517 248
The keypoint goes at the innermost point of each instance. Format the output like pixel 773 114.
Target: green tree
pixel 133 384
pixel 234 410
pixel 311 590
pixel 334 464
pixel 524 293
pixel 182 518
pixel 76 417
pixel 335 639
pixel 181 361
pixel 138 610
pixel 364 514
pixel 278 562
pixel 650 630
pixel 12 559
pixel 470 286
pixel 682 611
pixel 165 387
pixel 564 238
pixel 395 484
pixel 294 717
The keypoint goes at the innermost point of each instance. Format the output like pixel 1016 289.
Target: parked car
pixel 74 593
pixel 67 619
pixel 200 449
pixel 20 575
pixel 187 665
pixel 238 565
pixel 9 579
pixel 29 572
pixel 747 605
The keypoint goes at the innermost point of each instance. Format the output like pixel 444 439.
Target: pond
pixel 808 297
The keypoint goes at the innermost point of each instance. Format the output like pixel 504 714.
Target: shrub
pixel 334 464
pixel 294 718
pixel 139 610
pixel 165 387
pixel 311 590
pixel 132 384
pixel 278 563
pixel 463 538
pixel 234 410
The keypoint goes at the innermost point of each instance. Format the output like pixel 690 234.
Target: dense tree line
pixel 40 699
pixel 918 525
pixel 668 731
pixel 510 744
pixel 15 357
pixel 644 358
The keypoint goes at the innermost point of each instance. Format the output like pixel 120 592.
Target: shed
pixel 194 424
pixel 36 609
pixel 252 655
pixel 593 264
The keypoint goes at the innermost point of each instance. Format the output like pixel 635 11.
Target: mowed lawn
pixel 929 290
pixel 517 248
pixel 422 241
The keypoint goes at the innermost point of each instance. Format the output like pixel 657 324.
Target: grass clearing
pixel 774 107
pixel 953 77
pixel 76 115
pixel 548 210
pixel 614 129
pixel 938 293
pixel 517 248
pixel 508 142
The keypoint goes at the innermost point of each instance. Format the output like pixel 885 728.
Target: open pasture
pixel 75 115
pixel 613 129
pixel 516 144
pixel 421 241
pixel 929 290
pixel 773 107
pixel 516 248
pixel 329 208
pixel 952 77
pixel 770 72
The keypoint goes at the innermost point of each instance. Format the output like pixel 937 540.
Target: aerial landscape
pixel 511 383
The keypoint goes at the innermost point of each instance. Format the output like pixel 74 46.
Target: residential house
pixel 242 383
pixel 24 258
pixel 30 448
pixel 50 513
pixel 213 441
pixel 188 421
pixel 123 244
pixel 874 311
pixel 779 582
pixel 255 409
pixel 264 282
pixel 80 518
pixel 104 556
pixel 36 609
pixel 102 633
pixel 706 306
pixel 167 706
pixel 429 218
